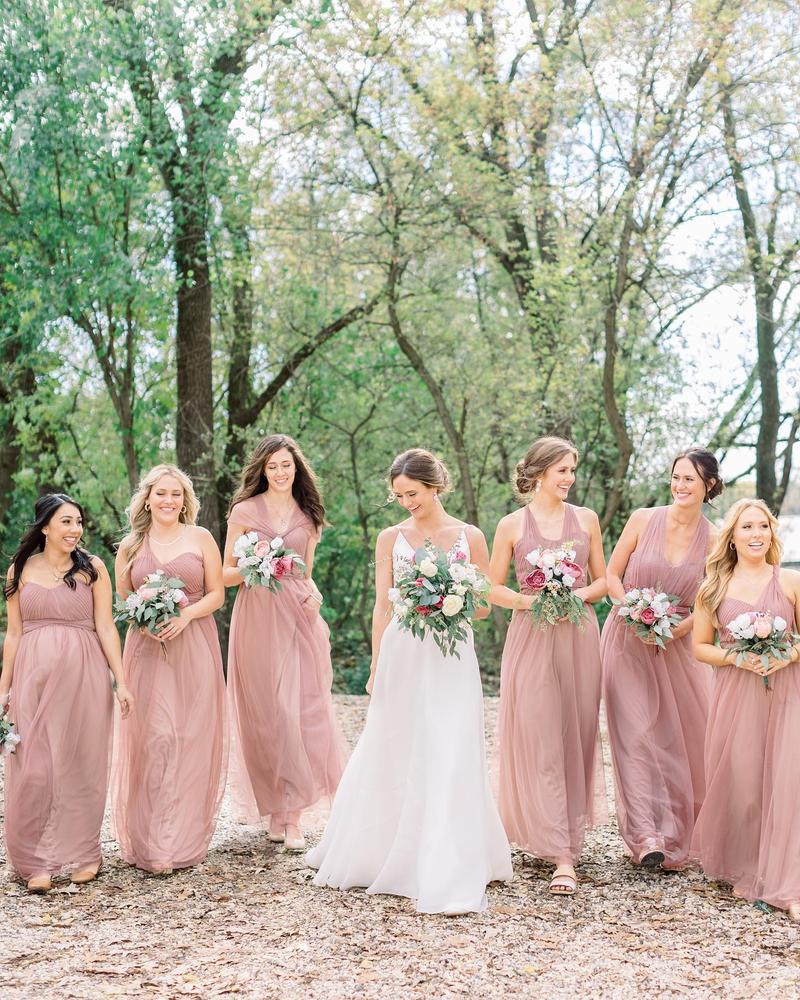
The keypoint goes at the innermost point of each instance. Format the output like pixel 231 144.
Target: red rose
pixel 421 609
pixel 648 616
pixel 440 602
pixel 535 580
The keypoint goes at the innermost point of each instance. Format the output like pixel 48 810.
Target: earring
pixel 183 509
pixel 436 498
pixel 731 546
pixel 537 486
pixel 147 506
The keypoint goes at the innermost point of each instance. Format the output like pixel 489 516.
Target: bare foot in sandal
pixel 564 881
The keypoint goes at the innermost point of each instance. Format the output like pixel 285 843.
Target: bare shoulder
pixel 474 533
pixel 98 563
pixel 124 545
pixel 386 537
pixel 587 518
pixel 790 580
pixel 200 534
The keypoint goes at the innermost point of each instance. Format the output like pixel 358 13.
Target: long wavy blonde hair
pixel 723 558
pixel 139 517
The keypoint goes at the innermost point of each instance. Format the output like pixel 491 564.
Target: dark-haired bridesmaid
pixel 286 752
pixel 169 769
pixel 59 646
pixel 657 700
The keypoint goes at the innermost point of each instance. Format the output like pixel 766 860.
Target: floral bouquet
pixel 651 614
pixel 263 563
pixel 9 737
pixel 762 634
pixel 553 575
pixel 439 598
pixel 159 599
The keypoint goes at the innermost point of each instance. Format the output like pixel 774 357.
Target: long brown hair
pixel 138 513
pixel 723 558
pixel 305 489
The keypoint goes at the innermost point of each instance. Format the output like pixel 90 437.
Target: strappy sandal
pixel 564 881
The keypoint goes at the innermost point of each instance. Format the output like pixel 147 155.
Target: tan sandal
pixel 84 875
pixel 564 881
pixel 40 883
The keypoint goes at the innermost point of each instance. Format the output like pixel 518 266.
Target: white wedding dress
pixel 414 814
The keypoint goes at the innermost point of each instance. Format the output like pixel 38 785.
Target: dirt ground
pixel 248 923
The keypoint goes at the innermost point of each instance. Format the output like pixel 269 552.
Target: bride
pixel 414 815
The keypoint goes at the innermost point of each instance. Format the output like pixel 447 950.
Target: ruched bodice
pixel 252 515
pixel 648 565
pixel 532 538
pixel 60 605
pixel 772 600
pixel 188 566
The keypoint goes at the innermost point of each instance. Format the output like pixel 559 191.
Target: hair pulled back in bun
pixel 423 467
pixel 707 468
pixel 544 452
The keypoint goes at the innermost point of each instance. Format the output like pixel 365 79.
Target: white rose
pixel 394 595
pixel 249 561
pixel 624 611
pixel 548 560
pixel 240 545
pixel 252 536
pixel 568 582
pixel 401 610
pixel 533 556
pixel 778 624
pixel 452 605
pixel 458 571
pixel 659 608
pixel 10 743
pixel 459 588
pixel 276 542
pixel 428 567
pixel 633 595
pixel 265 569
pixel 133 601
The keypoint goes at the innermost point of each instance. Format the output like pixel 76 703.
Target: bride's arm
pixel 382 609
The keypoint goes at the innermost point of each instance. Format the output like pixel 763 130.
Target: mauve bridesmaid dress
pixel 657 706
pixel 169 764
pixel 61 703
pixel 286 751
pixel 551 781
pixel 748 830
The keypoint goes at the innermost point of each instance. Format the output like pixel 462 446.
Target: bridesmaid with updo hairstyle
pixel 169 769
pixel 60 643
pixel 286 752
pixel 657 700
pixel 551 783
pixel 747 830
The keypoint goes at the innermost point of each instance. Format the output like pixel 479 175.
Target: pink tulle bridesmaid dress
pixel 169 768
pixel 286 752
pixel 61 703
pixel 748 830
pixel 551 783
pixel 657 706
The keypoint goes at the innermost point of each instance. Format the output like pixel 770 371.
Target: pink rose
pixel 180 598
pixel 535 580
pixel 636 614
pixel 571 569
pixel 648 616
pixel 763 627
pixel 147 593
pixel 282 567
pixel 262 549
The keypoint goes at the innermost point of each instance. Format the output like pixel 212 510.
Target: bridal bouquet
pixel 9 738
pixel 553 576
pixel 651 614
pixel 762 634
pixel 263 563
pixel 436 597
pixel 159 599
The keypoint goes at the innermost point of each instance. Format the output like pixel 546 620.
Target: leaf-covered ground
pixel 248 923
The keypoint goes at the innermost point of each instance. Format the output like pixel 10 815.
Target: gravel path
pixel 248 923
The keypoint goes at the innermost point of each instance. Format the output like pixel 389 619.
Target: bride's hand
pixel 370 682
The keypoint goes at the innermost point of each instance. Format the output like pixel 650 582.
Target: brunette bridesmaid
pixel 170 762
pixel 657 701
pixel 59 646
pixel 551 785
pixel 746 833
pixel 286 750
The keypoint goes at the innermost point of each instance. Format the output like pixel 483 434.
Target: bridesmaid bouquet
pixel 651 614
pixel 9 737
pixel 263 563
pixel 153 604
pixel 762 634
pixel 439 598
pixel 553 575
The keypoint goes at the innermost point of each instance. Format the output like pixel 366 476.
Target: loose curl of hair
pixel 707 468
pixel 139 517
pixel 723 558
pixel 305 488
pixel 423 467
pixel 542 454
pixel 34 540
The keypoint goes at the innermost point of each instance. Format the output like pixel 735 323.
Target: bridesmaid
pixel 657 701
pixel 59 645
pixel 170 761
pixel 286 750
pixel 746 833
pixel 551 784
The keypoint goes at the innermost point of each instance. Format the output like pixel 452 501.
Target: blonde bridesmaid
pixel 170 763
pixel 286 750
pixel 551 785
pixel 747 830
pixel 657 701
pixel 59 646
